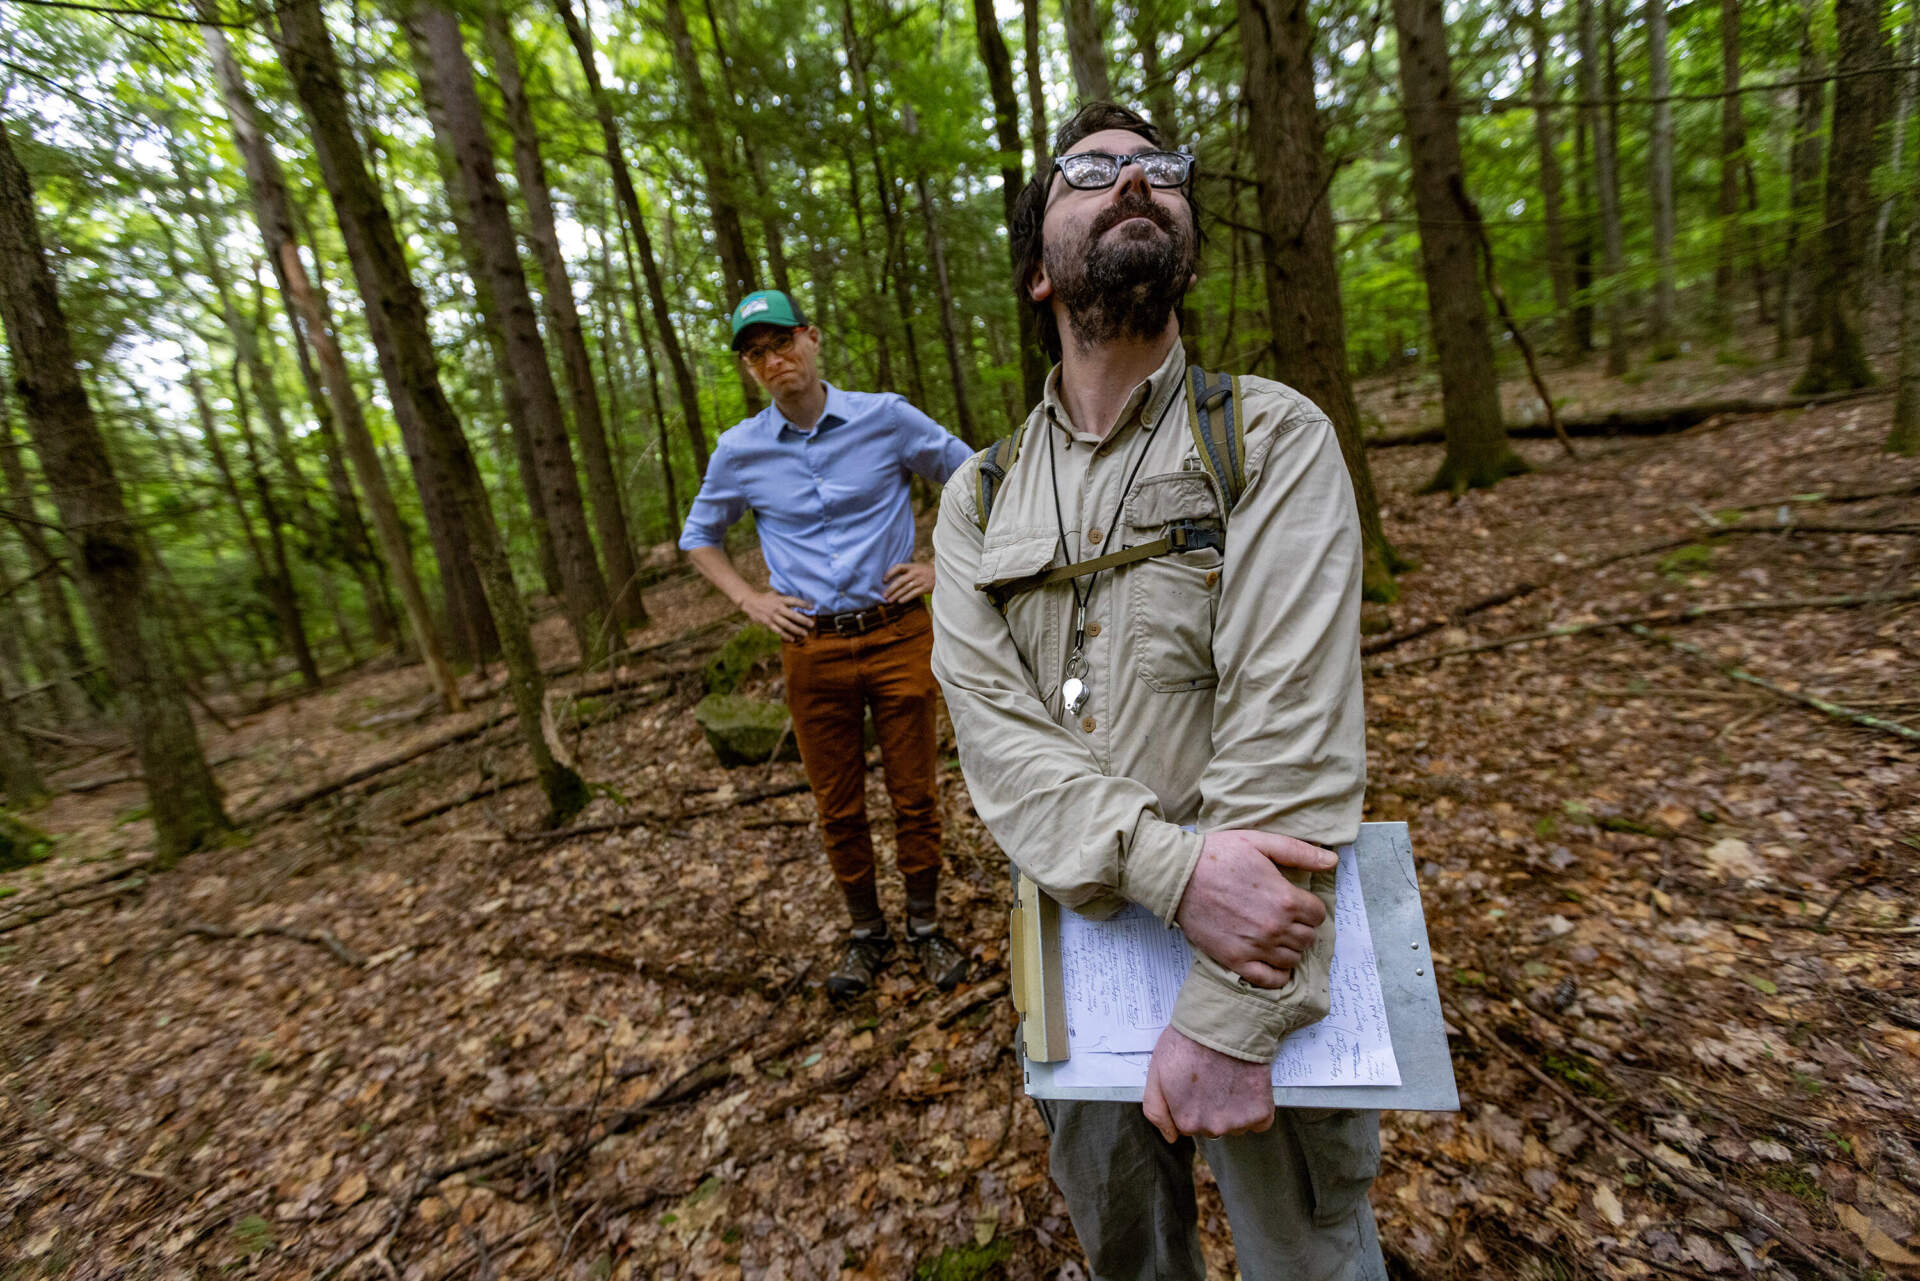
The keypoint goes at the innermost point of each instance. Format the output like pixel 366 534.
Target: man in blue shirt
pixel 825 473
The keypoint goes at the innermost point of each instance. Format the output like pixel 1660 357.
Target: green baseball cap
pixel 765 307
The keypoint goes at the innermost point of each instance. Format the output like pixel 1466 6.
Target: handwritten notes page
pixel 1122 975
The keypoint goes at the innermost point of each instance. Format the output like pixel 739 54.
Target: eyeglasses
pixel 775 345
pixel 1093 170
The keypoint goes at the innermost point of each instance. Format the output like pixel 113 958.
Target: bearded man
pixel 1182 729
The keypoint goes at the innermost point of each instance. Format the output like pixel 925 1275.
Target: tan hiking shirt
pixel 1224 690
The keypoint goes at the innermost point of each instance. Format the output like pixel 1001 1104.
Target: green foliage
pixel 21 843
pixel 1685 561
pixel 970 1262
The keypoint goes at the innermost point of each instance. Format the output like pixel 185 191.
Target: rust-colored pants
pixel 830 680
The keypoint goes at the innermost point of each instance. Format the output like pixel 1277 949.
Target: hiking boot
pixel 866 956
pixel 943 964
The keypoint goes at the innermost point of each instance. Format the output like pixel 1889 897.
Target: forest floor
pixel 1673 916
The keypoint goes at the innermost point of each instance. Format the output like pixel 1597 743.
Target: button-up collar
pixel 832 414
pixel 1145 404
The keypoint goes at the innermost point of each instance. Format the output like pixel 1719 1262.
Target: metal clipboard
pixel 1383 854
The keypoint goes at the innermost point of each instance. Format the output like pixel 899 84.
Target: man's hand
pixel 1240 910
pixel 1194 1090
pixel 904 582
pixel 782 613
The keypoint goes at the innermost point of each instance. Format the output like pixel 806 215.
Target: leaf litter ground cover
pixel 1673 915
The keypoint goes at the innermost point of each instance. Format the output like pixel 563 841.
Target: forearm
pixel 717 568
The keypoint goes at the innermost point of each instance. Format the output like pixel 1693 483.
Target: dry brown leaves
pixel 1689 904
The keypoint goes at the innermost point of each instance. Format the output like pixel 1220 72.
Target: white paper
pixel 1122 974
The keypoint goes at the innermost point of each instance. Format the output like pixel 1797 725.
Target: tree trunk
pixel 1006 128
pixel 1838 357
pixel 286 601
pixel 1547 144
pixel 1905 83
pixel 1087 50
pixel 1477 451
pixel 949 329
pixel 1904 436
pixel 307 54
pixel 1036 87
pixel 55 614
pixel 1583 232
pixel 1797 274
pixel 895 258
pixel 1606 181
pixel 684 386
pixel 1733 143
pixel 453 107
pixel 563 322
pixel 770 214
pixel 1288 146
pixel 20 781
pixel 1660 178
pixel 183 798
pixel 1156 86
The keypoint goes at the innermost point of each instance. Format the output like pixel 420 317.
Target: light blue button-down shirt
pixel 831 503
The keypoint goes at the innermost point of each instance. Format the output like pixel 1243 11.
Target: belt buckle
pixel 849 624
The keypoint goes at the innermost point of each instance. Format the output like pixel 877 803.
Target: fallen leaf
pixel 985 1227
pixel 351 1189
pixel 1731 856
pixel 1608 1205
pixel 1878 1243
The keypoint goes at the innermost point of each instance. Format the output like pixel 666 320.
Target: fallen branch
pixel 1508 595
pixel 1688 614
pixel 1866 719
pixel 468 797
pixel 631 821
pixel 1679 1178
pixel 325 938
pixel 20 920
pixel 28 1118
pixel 135 776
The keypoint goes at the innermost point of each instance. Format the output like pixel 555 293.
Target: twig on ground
pixel 1678 1177
pixel 46 1135
pixel 325 938
pixel 645 820
pixel 467 798
pixel 123 885
pixel 1866 719
pixel 1632 622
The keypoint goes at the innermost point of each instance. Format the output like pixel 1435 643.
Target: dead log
pixel 1659 420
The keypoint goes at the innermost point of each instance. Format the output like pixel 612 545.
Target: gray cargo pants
pixel 1296 1195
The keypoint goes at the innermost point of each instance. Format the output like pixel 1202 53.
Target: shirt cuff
pixel 1157 864
pixel 692 539
pixel 1222 1011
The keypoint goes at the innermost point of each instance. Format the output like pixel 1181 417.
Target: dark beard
pixel 1125 290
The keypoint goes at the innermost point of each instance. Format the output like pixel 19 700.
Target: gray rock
pixel 745 731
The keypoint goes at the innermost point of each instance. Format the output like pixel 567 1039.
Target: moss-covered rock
pixel 21 843
pixel 745 731
pixel 966 1262
pixel 745 650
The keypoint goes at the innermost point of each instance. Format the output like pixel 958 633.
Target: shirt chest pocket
pixel 1173 597
pixel 1033 617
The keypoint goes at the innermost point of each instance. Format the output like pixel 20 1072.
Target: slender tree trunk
pixel 453 106
pixel 1660 178
pixel 20 781
pixel 684 385
pixel 770 214
pixel 871 307
pixel 1087 50
pixel 1547 144
pixel 70 655
pixel 896 252
pixel 1733 145
pixel 1838 358
pixel 949 329
pixel 1583 233
pixel 1036 87
pixel 1006 127
pixel 1606 176
pixel 1905 83
pixel 1478 454
pixel 1803 178
pixel 307 54
pixel 1288 145
pixel 1156 86
pixel 563 322
pixel 183 798
pixel 1904 436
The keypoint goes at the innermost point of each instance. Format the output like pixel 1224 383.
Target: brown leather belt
pixel 858 622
